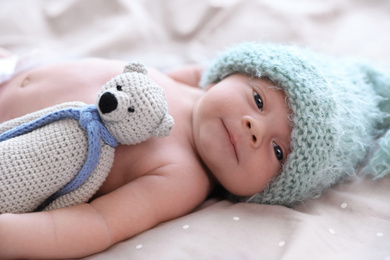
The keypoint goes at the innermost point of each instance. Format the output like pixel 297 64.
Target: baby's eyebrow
pixel 286 141
pixel 253 82
pixel 287 147
pixel 273 86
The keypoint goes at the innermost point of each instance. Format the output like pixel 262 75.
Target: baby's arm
pixel 189 74
pixel 64 233
pixel 5 126
pixel 90 228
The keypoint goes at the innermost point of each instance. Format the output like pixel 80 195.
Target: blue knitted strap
pixel 44 120
pixel 89 119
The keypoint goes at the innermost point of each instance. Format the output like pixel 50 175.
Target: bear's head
pixel 133 107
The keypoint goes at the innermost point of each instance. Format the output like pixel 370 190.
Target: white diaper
pixel 14 64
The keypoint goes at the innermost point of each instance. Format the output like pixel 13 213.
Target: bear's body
pixel 38 163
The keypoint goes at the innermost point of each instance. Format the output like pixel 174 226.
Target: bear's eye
pixel 131 109
pixel 119 87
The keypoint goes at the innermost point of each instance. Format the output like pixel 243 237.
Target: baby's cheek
pixel 268 175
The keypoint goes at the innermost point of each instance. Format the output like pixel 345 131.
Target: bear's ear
pixel 135 66
pixel 164 129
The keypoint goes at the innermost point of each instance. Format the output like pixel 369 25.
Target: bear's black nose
pixel 108 103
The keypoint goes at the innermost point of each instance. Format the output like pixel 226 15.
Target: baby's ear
pixel 135 66
pixel 164 129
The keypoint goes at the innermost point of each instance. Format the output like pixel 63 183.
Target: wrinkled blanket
pixel 350 221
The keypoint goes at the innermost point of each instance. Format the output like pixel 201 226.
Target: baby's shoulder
pixel 180 162
pixel 181 159
pixel 187 176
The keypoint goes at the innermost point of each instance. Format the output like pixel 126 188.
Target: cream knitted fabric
pixel 139 102
pixel 35 165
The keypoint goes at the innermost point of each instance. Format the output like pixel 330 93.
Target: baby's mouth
pixel 231 139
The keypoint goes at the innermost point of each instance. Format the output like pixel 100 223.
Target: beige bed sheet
pixel 351 220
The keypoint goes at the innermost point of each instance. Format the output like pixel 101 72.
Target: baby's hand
pixel 188 74
pixel 4 53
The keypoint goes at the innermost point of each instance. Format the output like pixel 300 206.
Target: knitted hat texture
pixel 339 110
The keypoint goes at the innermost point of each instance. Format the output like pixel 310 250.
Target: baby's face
pixel 242 132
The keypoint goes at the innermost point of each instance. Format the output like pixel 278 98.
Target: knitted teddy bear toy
pixel 60 156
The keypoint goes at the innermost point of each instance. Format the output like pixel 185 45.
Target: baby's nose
pixel 254 131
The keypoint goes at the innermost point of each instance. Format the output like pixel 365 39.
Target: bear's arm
pixel 5 126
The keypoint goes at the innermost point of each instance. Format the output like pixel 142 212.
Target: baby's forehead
pixel 263 82
pixel 252 78
pixel 268 82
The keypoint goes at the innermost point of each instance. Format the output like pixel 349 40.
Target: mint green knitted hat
pixel 340 108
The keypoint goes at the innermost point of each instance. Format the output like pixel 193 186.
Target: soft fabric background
pixel 351 221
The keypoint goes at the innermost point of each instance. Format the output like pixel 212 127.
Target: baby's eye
pixel 278 152
pixel 258 100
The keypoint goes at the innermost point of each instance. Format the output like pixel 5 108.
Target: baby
pixel 276 125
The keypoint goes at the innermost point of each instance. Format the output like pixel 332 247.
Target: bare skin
pixel 152 182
